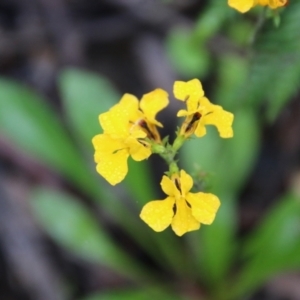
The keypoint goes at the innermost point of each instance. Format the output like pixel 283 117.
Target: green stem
pixel 180 139
pixel 259 24
pixel 169 152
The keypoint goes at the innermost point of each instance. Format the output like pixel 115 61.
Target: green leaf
pixel 187 49
pixel 31 124
pixel 274 246
pixel 188 57
pixel 202 152
pixel 275 66
pixel 239 153
pixel 280 220
pixel 140 182
pixel 210 20
pixel 73 227
pixel 212 153
pixel 216 248
pixel 232 74
pixel 85 96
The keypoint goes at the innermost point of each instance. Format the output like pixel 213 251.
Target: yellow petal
pixel 262 2
pixel 192 88
pixel 136 132
pixel 190 91
pixel 241 5
pixel 186 182
pixel 168 186
pixel 104 143
pixel 276 3
pixel 152 103
pixel 183 113
pixel 200 130
pixel 129 104
pixel 137 150
pixel 111 158
pixel 204 206
pixel 158 214
pixel 205 106
pixel 222 120
pixel 116 121
pixel 183 220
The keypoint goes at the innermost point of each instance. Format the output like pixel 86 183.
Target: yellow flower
pixel 245 5
pixel 200 111
pixel 182 209
pixel 126 126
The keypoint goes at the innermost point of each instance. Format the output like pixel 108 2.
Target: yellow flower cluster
pixel 200 111
pixel 130 129
pixel 245 5
pixel 126 125
pixel 182 209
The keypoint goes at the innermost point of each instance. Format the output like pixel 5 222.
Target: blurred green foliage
pixel 247 77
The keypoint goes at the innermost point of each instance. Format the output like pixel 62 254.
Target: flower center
pixel 177 184
pixel 148 128
pixel 196 117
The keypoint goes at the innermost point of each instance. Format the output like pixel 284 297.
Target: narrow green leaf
pixel 232 74
pixel 238 155
pixel 85 96
pixel 280 220
pixel 274 247
pixel 216 248
pixel 212 155
pixel 72 226
pixel 203 153
pixel 210 20
pixel 140 183
pixel 275 66
pixel 31 124
pixel 189 58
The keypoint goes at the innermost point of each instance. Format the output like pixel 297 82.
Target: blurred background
pixel 64 232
